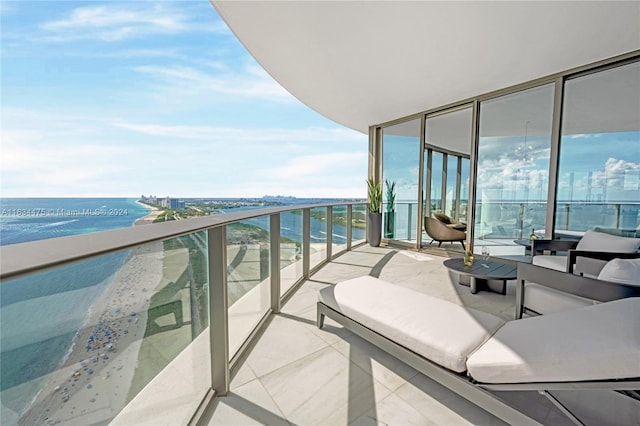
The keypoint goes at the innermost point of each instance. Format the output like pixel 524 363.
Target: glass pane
pixel 248 277
pixel 437 160
pixel 358 224
pixel 464 190
pixel 290 249
pixel 599 171
pixel 452 177
pixel 339 237
pixel 450 131
pixel 318 237
pixel 96 332
pixel 400 154
pixel 513 168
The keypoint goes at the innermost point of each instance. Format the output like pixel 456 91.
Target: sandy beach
pixel 155 212
pixel 92 385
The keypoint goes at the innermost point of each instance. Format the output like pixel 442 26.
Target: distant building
pixel 167 202
pixel 151 199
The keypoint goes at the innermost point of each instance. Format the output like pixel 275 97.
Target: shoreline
pixel 92 383
pixel 149 218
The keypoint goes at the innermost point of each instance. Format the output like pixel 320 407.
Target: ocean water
pixel 40 314
pixel 31 219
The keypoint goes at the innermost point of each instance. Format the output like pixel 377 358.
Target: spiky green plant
pixel 391 195
pixel 374 195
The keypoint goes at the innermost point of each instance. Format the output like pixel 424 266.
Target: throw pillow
pixel 625 271
pixel 442 218
pixel 599 241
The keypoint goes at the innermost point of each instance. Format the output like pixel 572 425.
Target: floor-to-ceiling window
pixel 446 172
pixel 435 173
pixel 599 160
pixel 400 176
pixel 513 167
pixel 451 184
pixel 595 182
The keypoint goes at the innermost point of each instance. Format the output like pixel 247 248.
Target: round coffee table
pixel 483 277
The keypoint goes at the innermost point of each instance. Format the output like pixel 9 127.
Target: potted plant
pixel 390 214
pixel 374 215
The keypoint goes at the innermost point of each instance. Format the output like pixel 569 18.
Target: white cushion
pixel 559 263
pixel 592 343
pixel 626 271
pixel 545 300
pixel 440 331
pixel 600 241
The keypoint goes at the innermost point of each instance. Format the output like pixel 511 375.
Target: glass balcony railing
pixel 516 220
pixel 580 217
pixel 149 320
pixel 358 224
pixel 318 236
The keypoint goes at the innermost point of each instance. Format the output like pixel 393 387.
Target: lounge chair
pixel 439 231
pixel 472 352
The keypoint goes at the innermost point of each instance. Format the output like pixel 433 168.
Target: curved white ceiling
pixel 361 63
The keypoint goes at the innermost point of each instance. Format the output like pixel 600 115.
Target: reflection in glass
pixel 318 236
pixel 599 168
pixel 248 272
pixel 513 164
pixel 339 225
pixel 400 166
pixel 100 330
pixel 358 224
pixel 291 249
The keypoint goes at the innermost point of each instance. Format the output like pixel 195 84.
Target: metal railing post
pixel 219 320
pixel 409 216
pixel 349 226
pixel 274 228
pixel 306 242
pixel 329 233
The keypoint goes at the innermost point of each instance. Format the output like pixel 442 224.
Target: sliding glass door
pixel 400 177
pixel 448 140
pixel 599 167
pixel 513 167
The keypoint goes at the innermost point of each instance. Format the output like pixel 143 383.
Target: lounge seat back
pixel 599 342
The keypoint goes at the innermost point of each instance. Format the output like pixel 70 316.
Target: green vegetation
pixel 391 195
pixel 374 195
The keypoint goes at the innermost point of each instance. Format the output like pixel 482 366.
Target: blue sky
pixel 128 98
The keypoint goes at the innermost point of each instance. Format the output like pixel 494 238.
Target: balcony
pixel 222 314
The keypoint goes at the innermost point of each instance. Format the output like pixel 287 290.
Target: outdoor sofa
pixel 472 352
pixel 586 256
pixel 541 291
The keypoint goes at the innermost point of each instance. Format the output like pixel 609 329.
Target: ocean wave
pixel 63 222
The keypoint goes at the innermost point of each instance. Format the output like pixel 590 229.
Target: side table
pixel 483 277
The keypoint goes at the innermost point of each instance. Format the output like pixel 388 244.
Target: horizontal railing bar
pixel 21 259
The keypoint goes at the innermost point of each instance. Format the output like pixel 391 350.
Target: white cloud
pixel 312 165
pixel 237 135
pixel 52 154
pixel 117 21
pixel 250 82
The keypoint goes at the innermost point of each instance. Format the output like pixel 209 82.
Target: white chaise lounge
pixel 471 352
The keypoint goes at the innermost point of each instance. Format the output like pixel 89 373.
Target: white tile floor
pixel 298 374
